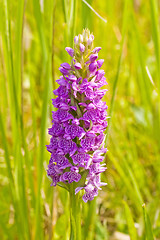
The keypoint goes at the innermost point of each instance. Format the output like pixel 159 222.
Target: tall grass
pixel 33 36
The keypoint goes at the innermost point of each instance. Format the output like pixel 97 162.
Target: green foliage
pixel 148 227
pixel 130 222
pixel 33 36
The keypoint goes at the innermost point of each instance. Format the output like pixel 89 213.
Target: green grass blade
pixel 27 163
pixel 41 152
pixel 148 227
pixel 134 182
pixel 144 83
pixel 18 68
pixel 7 51
pixel 18 49
pixel 130 222
pixel 115 85
pixel 88 5
pixel 47 57
pixel 20 187
pixel 65 10
pixel 155 31
pixel 86 16
pixel 126 181
pixel 11 181
pixel 3 229
pixel 39 21
pixel 10 175
pixel 156 39
pixel 72 21
pixel 21 194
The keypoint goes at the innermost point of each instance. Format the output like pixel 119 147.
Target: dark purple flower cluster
pixel 77 138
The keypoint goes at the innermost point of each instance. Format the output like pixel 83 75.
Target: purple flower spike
pixel 77 132
pixel 70 51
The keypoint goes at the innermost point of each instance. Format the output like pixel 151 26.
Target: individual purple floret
pixel 77 133
pixel 71 176
pixel 70 51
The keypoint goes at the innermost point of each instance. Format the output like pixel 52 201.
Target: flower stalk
pixel 75 212
pixel 77 133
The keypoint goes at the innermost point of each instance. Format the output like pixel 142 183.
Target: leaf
pixel 130 222
pixel 63 185
pixel 148 227
pixel 103 19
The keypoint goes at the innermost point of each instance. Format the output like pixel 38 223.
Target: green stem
pixel 90 221
pixel 75 219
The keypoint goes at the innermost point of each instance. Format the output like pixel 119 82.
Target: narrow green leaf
pixel 39 21
pixel 10 175
pixel 155 31
pixel 130 222
pixel 126 180
pixel 72 21
pixel 65 10
pixel 18 49
pixel 103 19
pixel 148 227
pixel 87 16
pixel 115 84
pixel 20 186
pixel 63 185
pixel 134 182
pixel 47 57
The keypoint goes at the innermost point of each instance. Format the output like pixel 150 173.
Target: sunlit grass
pixel 33 36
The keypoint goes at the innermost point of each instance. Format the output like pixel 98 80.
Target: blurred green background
pixel 33 37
